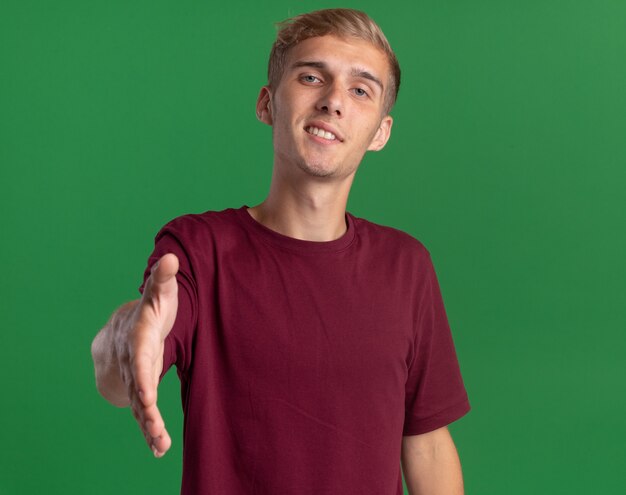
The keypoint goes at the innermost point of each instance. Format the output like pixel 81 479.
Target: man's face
pixel 327 110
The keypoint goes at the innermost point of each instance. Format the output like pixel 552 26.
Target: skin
pixel 128 352
pixel 328 82
pixel 324 84
pixel 431 465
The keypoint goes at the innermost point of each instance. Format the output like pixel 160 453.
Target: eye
pixel 360 92
pixel 309 78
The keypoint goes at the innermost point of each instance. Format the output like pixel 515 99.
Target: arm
pixel 128 352
pixel 431 465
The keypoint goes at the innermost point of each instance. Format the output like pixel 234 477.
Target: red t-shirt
pixel 302 363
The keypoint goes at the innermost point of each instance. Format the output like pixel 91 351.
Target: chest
pixel 314 324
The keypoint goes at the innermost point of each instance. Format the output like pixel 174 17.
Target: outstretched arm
pixel 431 465
pixel 128 352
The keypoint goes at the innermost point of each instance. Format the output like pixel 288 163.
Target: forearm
pixel 109 382
pixel 431 465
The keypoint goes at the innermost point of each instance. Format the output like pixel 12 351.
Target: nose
pixel 331 100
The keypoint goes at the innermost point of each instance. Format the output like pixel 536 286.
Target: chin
pixel 318 170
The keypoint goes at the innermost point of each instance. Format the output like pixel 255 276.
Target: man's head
pixel 343 23
pixel 333 80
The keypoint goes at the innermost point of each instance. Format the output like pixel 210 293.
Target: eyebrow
pixel 355 72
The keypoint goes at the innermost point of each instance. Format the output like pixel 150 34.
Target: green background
pixel 507 160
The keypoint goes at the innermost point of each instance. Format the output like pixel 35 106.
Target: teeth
pixel 321 133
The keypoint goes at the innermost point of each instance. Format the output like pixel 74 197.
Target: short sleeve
pixel 179 342
pixel 435 395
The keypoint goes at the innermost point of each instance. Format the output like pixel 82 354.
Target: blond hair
pixel 344 23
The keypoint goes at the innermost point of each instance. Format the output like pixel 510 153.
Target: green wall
pixel 507 160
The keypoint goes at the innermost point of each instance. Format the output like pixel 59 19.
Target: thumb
pixel 160 299
pixel 164 270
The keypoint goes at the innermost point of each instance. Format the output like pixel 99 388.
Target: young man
pixel 312 347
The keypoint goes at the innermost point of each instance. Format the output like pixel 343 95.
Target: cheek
pixel 374 128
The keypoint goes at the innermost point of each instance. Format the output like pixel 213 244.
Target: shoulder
pixel 199 227
pixel 389 239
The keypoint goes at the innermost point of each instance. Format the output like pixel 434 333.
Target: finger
pixel 142 365
pixel 161 444
pixel 155 433
pixel 142 391
pixel 152 426
pixel 145 354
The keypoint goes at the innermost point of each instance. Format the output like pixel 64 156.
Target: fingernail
pixel 155 451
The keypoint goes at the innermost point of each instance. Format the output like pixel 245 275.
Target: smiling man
pixel 312 346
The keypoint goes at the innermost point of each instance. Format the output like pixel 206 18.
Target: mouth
pixel 324 132
pixel 321 133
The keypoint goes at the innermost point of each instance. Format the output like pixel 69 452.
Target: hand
pixel 140 350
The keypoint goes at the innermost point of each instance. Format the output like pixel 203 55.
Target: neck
pixel 313 210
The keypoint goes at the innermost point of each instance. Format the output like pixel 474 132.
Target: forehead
pixel 340 53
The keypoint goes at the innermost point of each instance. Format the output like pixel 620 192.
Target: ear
pixel 264 106
pixel 382 134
